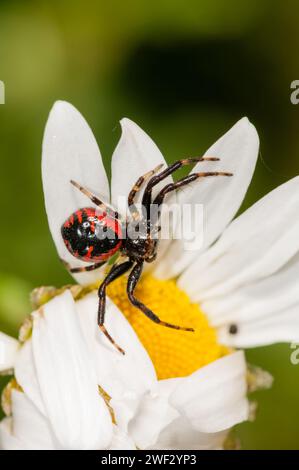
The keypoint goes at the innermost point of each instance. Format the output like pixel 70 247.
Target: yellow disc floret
pixel 174 353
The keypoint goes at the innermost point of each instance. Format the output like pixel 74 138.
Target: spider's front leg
pixel 137 187
pixel 184 182
pixel 132 282
pixel 116 271
pixel 147 196
pixel 158 201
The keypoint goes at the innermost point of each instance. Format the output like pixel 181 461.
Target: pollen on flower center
pixel 174 353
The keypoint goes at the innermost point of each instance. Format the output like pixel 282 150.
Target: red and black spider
pixel 97 234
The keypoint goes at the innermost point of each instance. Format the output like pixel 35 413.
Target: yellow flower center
pixel 174 353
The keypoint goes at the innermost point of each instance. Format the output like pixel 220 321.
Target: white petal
pixel 255 245
pixel 214 398
pixel 124 378
pixel 121 441
pixel 261 299
pixel 221 197
pixel 25 372
pixel 118 373
pixel 180 435
pixel 282 326
pixel 153 415
pixel 70 152
pixel 135 154
pixel 8 352
pixel 29 425
pixel 7 440
pixel 78 415
pixel 264 312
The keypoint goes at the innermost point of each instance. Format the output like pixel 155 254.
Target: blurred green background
pixel 185 71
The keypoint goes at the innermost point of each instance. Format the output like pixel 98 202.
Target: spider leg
pixel 184 182
pixel 115 272
pixel 81 269
pixel 147 196
pixel 102 205
pixel 134 277
pixel 136 188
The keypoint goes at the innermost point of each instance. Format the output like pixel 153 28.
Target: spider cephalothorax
pixel 95 235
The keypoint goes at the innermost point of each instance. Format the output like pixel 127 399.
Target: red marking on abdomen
pixel 89 252
pixel 79 216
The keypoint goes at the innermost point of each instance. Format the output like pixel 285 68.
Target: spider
pixel 95 235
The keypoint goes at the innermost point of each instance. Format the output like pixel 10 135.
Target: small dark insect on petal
pixel 233 329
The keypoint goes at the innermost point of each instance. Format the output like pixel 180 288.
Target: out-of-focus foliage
pixel 185 71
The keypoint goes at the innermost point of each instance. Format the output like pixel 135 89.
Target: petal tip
pixel 62 108
pixel 126 122
pixel 244 120
pixel 128 125
pixel 130 131
pixel 246 126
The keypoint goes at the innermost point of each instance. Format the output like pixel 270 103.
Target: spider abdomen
pixel 91 235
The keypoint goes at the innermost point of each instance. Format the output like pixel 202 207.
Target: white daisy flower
pixel 172 389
